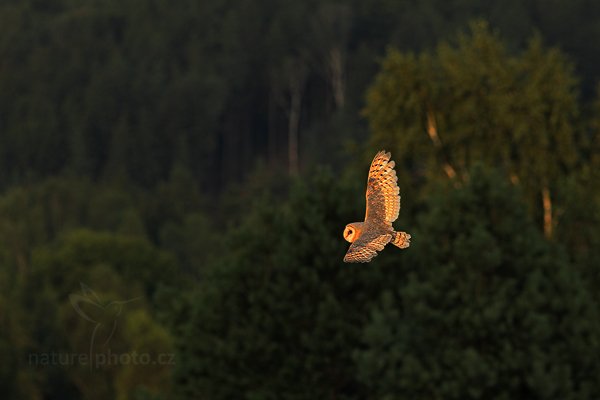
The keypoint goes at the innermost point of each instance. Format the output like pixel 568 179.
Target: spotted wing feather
pixel 363 250
pixel 383 193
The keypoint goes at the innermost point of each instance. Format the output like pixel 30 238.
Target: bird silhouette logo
pixel 104 315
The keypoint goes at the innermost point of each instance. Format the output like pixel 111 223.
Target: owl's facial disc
pixel 350 233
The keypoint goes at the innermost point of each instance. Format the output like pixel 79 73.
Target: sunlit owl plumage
pixel 383 205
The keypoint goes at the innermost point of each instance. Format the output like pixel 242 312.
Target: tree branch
pixel 432 131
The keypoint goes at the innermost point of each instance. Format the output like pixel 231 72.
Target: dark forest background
pixel 175 177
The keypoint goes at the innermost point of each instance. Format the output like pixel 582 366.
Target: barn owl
pixel 383 205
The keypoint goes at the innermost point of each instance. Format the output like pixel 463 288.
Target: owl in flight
pixel 383 206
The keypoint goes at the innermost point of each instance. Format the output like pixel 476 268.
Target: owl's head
pixel 353 231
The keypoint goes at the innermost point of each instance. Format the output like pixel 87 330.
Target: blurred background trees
pixel 202 157
pixel 442 112
pixel 487 308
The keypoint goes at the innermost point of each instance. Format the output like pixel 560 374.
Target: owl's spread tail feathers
pixel 400 239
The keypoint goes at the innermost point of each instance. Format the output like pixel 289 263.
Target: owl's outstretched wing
pixel 383 193
pixel 364 250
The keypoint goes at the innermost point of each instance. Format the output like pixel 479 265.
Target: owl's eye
pixel 349 231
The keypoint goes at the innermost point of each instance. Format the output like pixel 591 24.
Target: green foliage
pixel 444 111
pixel 133 258
pixel 92 295
pixel 480 306
pixel 151 341
pixel 126 90
pixel 34 215
pixel 488 309
pixel 280 311
pixel 579 224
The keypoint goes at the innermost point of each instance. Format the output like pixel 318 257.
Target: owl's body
pixel 383 205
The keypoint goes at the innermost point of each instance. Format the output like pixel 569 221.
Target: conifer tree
pixel 280 313
pixel 488 309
